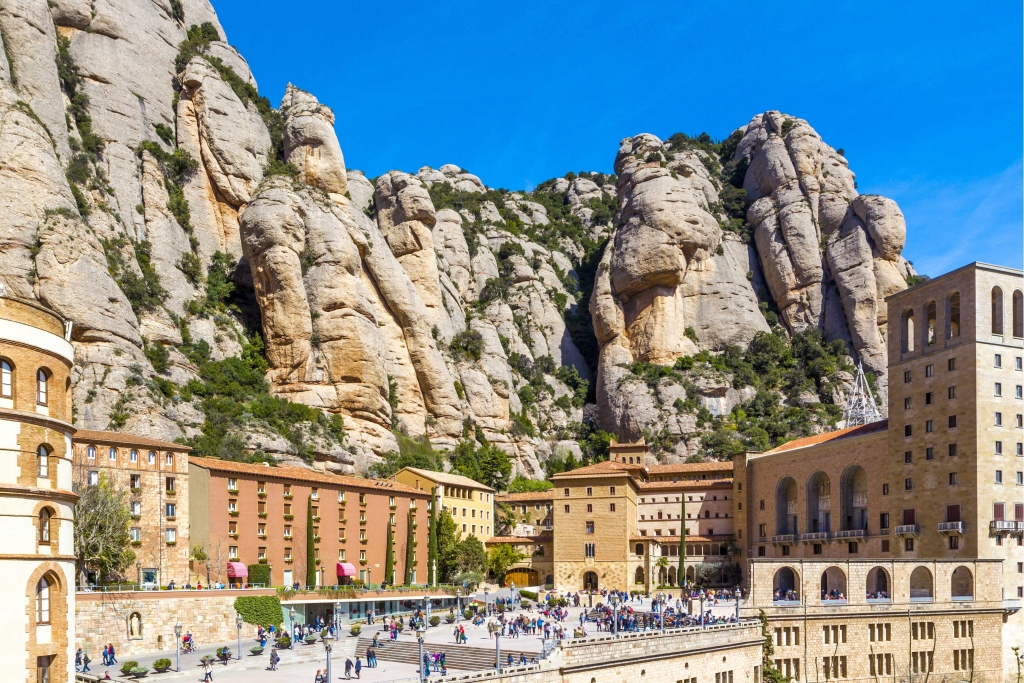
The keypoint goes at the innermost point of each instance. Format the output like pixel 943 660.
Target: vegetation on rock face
pixel 141 287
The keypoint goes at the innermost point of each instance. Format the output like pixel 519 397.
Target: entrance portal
pixel 590 581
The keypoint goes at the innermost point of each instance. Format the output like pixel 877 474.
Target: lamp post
pixel 291 627
pixel 337 617
pixel 737 604
pixel 328 646
pixel 420 630
pixel 497 648
pixel 661 610
pixel 207 574
pixel 702 609
pixel 138 568
pixel 238 625
pixel 615 614
pixel 458 605
pixel 177 646
pixel 487 604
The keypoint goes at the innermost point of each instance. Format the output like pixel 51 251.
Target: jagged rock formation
pixel 142 178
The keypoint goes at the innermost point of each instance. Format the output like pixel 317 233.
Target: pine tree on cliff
pixel 310 545
pixel 389 559
pixel 432 541
pixel 410 553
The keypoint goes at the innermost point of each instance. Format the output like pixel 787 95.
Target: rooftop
pixel 448 478
pixel 699 485
pixel 691 468
pixel 302 474
pixel 121 439
pixel 602 469
pixel 525 496
pixel 837 435
pixel 520 539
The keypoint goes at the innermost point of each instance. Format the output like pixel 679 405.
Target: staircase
pixel 457 657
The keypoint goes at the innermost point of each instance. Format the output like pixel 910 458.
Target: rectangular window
pixel 1020 479
pixel 135 533
pixel 1018 392
pixel 952 421
pixel 998 361
pixel 590 507
pixel 565 492
pixel 954 542
pixel 929 426
pixel 998 510
pixel 951 393
pixel 908 544
pixel 907 431
pixel 169 509
pixel 929 371
pixel 590 491
pixel 999 447
pixel 566 509
pixel 998 391
pixel 951 364
pixel 952 450
pixel 232 484
pixel 1020 448
pixel 589 549
pixel 885 546
pixel 611 507
pixel 908 484
pixel 952 479
pixel 909 517
pixel 999 419
pixel 929 453
pixel 908 403
pixel 1019 363
pixel 233 552
pixel 611 490
pixel 1020 420
pixel 906 376
pixel 883 520
pixel 885 489
pixel 171 535
pixel 999 476
pixel 852 547
pixel 590 527
pixel 928 398
pixel 908 457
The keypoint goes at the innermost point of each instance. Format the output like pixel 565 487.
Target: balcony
pixel 1020 525
pixel 951 528
pixel 999 526
pixel 860 500
pixel 784 539
pixel 850 533
pixel 908 530
pixel 816 537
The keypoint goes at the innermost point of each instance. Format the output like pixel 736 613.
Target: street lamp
pixel 615 613
pixel 138 568
pixel 737 604
pixel 238 625
pixel 487 604
pixel 458 605
pixel 661 610
pixel 328 646
pixel 177 646
pixel 420 630
pixel 702 608
pixel 337 616
pixel 291 627
pixel 497 648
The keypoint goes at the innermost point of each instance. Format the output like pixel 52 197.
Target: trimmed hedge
pixel 259 573
pixel 260 610
pixel 529 595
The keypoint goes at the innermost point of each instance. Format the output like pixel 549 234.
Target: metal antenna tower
pixel 860 404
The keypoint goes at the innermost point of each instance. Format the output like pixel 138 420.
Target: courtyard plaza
pixel 301 663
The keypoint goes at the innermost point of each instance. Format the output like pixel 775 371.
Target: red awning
pixel 237 570
pixel 346 569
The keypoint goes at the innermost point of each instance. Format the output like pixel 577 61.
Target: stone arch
pixel 907 331
pixel 672 570
pixel 879 584
pixel 962 584
pixel 638 576
pixel 57 648
pixel 786 582
pixel 853 497
pixel 819 503
pixel 930 328
pixel 953 315
pixel 133 625
pixel 786 517
pixel 1018 313
pixel 997 310
pixel 691 574
pixel 921 584
pixel 590 582
pixel 833 584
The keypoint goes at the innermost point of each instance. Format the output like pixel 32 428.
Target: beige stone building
pixel 36 499
pixel 155 474
pixel 470 503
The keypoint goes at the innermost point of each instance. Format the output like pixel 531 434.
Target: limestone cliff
pixel 233 283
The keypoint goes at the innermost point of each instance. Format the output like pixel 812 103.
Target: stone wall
pixel 105 617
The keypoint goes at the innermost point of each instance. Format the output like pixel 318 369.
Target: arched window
pixel 169 461
pixel 833 584
pixel 854 498
pixel 1018 313
pixel 930 319
pixel 152 458
pixel 6 379
pixel 638 577
pixel 113 454
pixel 43 461
pixel 44 526
pixel 952 315
pixel 907 331
pixel 785 585
pixel 91 452
pixel 43 601
pixel 819 503
pixel 962 584
pixel 997 310
pixel 42 380
pixel 133 456
pixel 921 585
pixel 878 585
pixel 785 507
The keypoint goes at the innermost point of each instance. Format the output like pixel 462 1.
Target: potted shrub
pixel 162 665
pixel 256 651
pixel 310 639
pixel 468 614
pixel 224 654
pixel 138 672
pixel 126 667
pixel 501 608
pixel 449 618
pixel 401 626
pixel 284 643
pixel 354 629
pixel 525 604
pixel 435 620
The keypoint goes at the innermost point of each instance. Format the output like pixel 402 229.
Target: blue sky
pixel 925 98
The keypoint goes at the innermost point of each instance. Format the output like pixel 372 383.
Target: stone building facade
pixel 470 503
pixel 256 514
pixel 155 474
pixel 36 493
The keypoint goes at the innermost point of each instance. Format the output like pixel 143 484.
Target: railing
pixel 791 508
pixel 951 528
pixel 784 539
pixel 136 588
pixel 860 500
pixel 1002 527
pixel 908 530
pixel 815 536
pixel 1020 525
pixel 851 533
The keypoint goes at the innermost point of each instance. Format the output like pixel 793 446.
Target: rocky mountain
pixel 234 284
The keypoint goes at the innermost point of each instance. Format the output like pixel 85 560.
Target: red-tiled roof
pixel 817 439
pixel 519 539
pixel 685 485
pixel 305 475
pixel 120 439
pixel 524 497
pixel 691 467
pixel 604 468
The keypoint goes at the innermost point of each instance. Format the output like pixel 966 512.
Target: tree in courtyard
pixel 500 558
pixel 310 545
pixel 471 556
pixel 389 558
pixel 447 546
pixel 410 550
pixel 432 541
pixel 102 523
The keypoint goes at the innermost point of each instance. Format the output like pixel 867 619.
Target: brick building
pixel 470 503
pixel 155 473
pixel 256 514
pixel 36 498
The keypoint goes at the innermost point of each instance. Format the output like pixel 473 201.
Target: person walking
pixel 319 678
pixel 110 650
pixel 348 668
pixel 207 671
pixel 78 660
pixel 359 666
pixel 85 662
pixel 274 659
